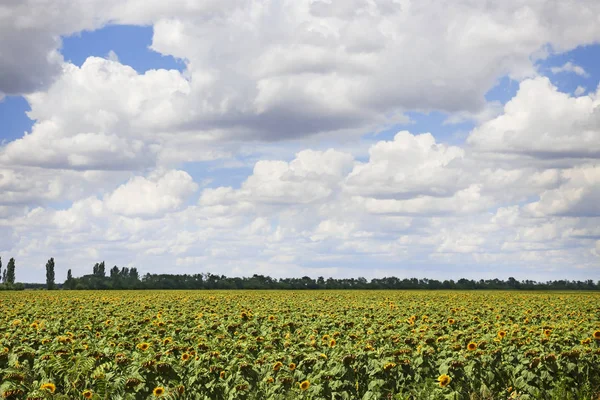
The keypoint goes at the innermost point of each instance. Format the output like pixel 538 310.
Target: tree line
pixel 129 278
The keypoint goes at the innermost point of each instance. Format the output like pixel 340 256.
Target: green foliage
pixel 264 345
pixel 10 272
pixel 50 274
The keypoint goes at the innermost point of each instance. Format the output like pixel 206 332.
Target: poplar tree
pixel 10 272
pixel 50 274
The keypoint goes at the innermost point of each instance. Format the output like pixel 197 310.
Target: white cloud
pixel 152 196
pixel 269 84
pixel 407 167
pixel 570 67
pixel 543 123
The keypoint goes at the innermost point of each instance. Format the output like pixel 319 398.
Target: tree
pixel 99 269
pixel 69 283
pixel 50 274
pixel 0 267
pixel 10 272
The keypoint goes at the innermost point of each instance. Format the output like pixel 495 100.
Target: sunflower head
pixel 143 346
pixel 389 366
pixel 292 366
pixel 87 394
pixel 444 380
pixel 501 334
pixel 547 332
pixel 277 366
pixel 158 391
pixel 596 335
pixel 305 385
pixel 185 357
pixel 472 346
pixel 222 374
pixel 50 387
pixel 451 321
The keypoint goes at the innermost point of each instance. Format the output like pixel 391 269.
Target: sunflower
pixel 305 385
pixel 389 366
pixel 502 334
pixel 596 335
pixel 451 321
pixel 87 394
pixel 471 346
pixel 444 380
pixel 143 346
pixel 222 374
pixel 332 343
pixel 50 387
pixel 292 366
pixel 158 391
pixel 547 332
pixel 270 379
pixel 271 318
pixel 185 357
pixel 277 366
pixel 167 341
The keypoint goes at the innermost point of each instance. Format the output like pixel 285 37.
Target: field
pixel 299 345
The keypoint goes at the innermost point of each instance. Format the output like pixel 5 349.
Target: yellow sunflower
pixel 451 321
pixel 596 335
pixel 389 366
pixel 305 385
pixel 143 346
pixel 277 366
pixel 87 394
pixel 444 380
pixel 502 334
pixel 222 374
pixel 50 387
pixel 292 366
pixel 471 346
pixel 158 391
pixel 332 343
pixel 185 357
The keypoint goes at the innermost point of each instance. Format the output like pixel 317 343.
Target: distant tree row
pixel 129 278
pixel 125 278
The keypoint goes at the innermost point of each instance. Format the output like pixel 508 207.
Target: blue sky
pixel 276 148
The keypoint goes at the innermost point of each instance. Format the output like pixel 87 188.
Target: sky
pixel 438 139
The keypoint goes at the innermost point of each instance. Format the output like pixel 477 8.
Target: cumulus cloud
pixel 570 67
pixel 151 196
pixel 408 166
pixel 101 174
pixel 543 123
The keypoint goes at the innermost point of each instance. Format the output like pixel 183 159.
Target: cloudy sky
pixel 430 138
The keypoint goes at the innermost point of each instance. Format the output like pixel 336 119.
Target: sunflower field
pixel 299 345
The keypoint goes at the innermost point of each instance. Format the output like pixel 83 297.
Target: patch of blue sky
pixel 433 122
pixel 587 57
pixel 131 44
pixel 212 174
pixel 14 121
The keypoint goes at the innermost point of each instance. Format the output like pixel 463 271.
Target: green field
pixel 299 345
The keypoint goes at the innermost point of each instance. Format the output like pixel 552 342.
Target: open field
pixel 299 345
